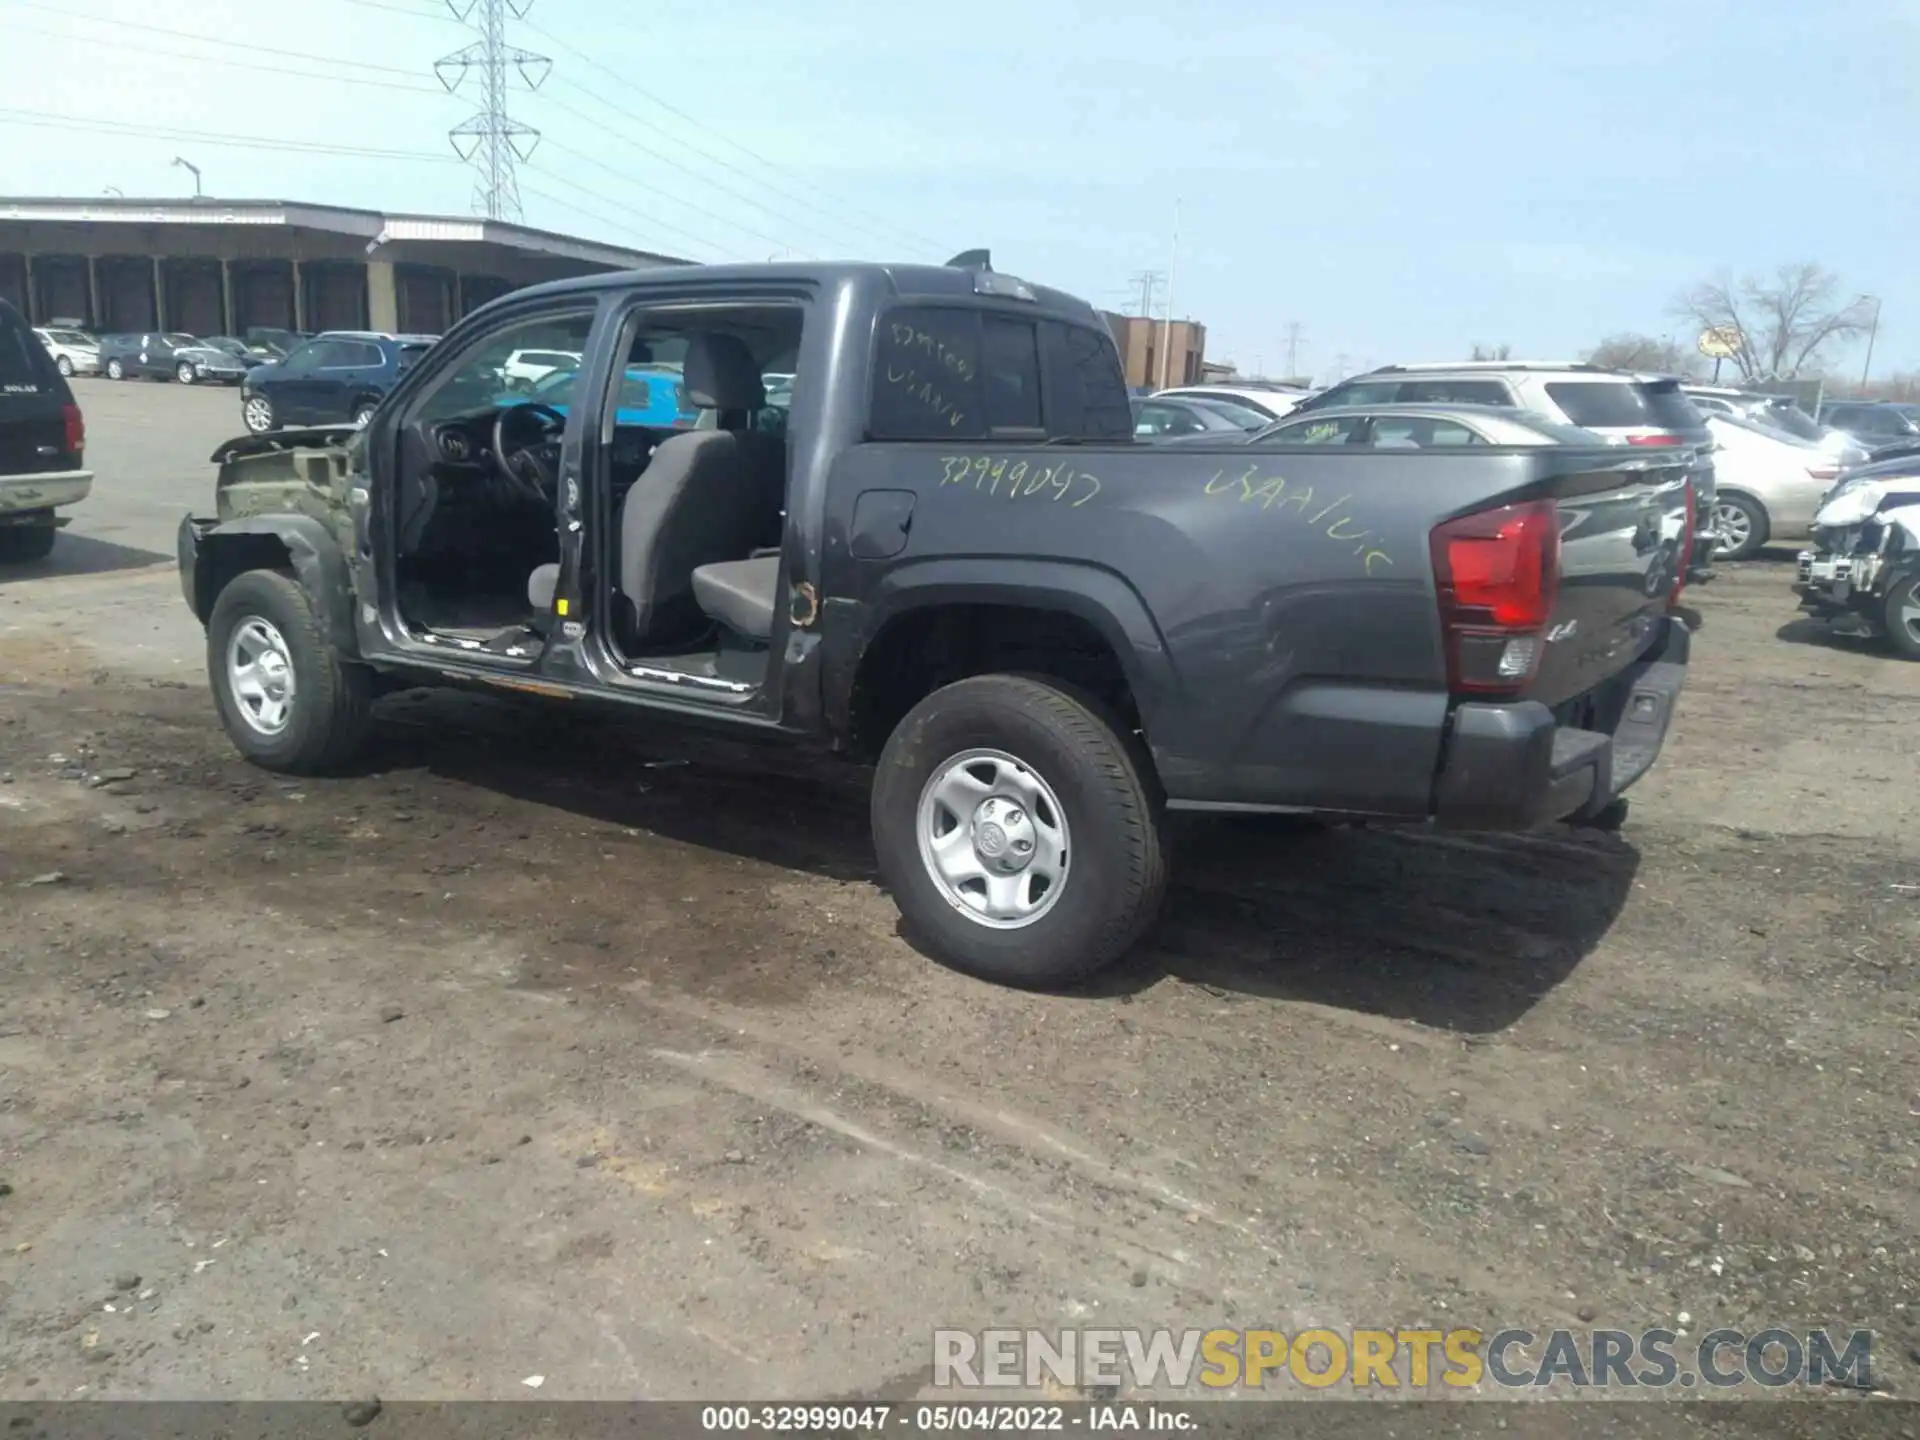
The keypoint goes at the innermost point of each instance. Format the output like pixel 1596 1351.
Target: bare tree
pixel 1777 326
pixel 1629 351
pixel 1502 351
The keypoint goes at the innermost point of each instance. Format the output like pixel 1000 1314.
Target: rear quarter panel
pixel 1282 594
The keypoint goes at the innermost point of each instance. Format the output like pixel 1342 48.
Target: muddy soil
pixel 548 1046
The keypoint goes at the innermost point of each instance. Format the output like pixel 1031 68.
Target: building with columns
pixel 219 267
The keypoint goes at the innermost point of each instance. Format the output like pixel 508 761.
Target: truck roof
pixel 909 281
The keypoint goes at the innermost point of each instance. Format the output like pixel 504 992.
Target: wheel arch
pixel 296 544
pixel 1040 603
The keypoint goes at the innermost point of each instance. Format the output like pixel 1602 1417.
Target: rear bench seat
pixel 740 594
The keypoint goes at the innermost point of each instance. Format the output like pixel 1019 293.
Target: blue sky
pixel 1400 179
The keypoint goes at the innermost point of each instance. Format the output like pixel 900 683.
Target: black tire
pixel 1118 873
pixel 1757 526
pixel 332 697
pixel 1902 594
pixel 23 543
pixel 115 370
pixel 64 366
pixel 254 405
pixel 183 372
pixel 1610 818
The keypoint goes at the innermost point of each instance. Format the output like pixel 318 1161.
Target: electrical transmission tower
pixel 1149 283
pixel 490 140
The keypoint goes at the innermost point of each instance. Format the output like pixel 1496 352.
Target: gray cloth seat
pixel 540 587
pixel 740 594
pixel 706 496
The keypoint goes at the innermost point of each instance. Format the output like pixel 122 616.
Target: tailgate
pixel 1624 541
pixel 33 432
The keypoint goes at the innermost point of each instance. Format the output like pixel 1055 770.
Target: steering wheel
pixel 529 462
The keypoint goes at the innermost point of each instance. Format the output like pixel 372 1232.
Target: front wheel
pixel 1743 527
pixel 1014 825
pixel 115 370
pixel 64 366
pixel 183 372
pixel 257 413
pixel 289 700
pixel 1902 617
pixel 363 414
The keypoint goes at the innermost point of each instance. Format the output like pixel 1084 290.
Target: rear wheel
pixel 26 542
pixel 1015 827
pixel 289 700
pixel 1743 527
pixel 1902 617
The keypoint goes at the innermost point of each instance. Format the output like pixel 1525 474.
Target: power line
pixel 618 225
pixel 252 65
pixel 668 194
pixel 1149 282
pixel 401 10
pixel 44 120
pixel 707 181
pixel 496 142
pixel 652 99
pixel 308 56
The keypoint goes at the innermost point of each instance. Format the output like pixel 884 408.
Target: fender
pixel 319 565
pixel 1088 591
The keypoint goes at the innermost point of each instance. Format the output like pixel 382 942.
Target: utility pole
pixel 1871 335
pixel 490 140
pixel 1293 349
pixel 1173 270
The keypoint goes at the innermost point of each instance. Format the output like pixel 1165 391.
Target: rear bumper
pixel 1513 766
pixel 43 491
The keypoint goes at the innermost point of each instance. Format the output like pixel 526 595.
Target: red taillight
pixel 1653 439
pixel 1498 575
pixel 1684 561
pixel 76 429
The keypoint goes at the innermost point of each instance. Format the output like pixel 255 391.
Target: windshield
pixel 1790 418
pixel 69 337
pixel 1245 416
pixel 180 341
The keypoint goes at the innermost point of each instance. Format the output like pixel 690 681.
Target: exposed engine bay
pixel 1863 570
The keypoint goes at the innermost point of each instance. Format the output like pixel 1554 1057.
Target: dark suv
pixel 1872 424
pixel 42 443
pixel 337 378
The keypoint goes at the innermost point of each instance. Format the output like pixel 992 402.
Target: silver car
pixel 1622 407
pixel 1770 484
pixel 1422 427
pixel 74 351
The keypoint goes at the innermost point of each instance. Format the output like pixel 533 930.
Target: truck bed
pixel 1279 611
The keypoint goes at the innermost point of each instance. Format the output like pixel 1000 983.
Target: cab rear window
pixel 21 370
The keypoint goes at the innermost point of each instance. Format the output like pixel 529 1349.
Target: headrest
pixel 720 373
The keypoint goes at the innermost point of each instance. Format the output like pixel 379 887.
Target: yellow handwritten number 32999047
pixel 1021 478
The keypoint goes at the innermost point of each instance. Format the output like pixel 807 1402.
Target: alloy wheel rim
pixel 259 415
pixel 994 839
pixel 1736 527
pixel 260 675
pixel 1910 611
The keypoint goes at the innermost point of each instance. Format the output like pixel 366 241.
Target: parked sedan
pixel 1274 403
pixel 1161 418
pixel 172 354
pixel 74 352
pixel 1423 427
pixel 1770 485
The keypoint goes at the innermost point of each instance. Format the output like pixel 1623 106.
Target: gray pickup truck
pixel 941 552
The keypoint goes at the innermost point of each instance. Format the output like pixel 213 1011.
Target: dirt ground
pixel 575 1049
